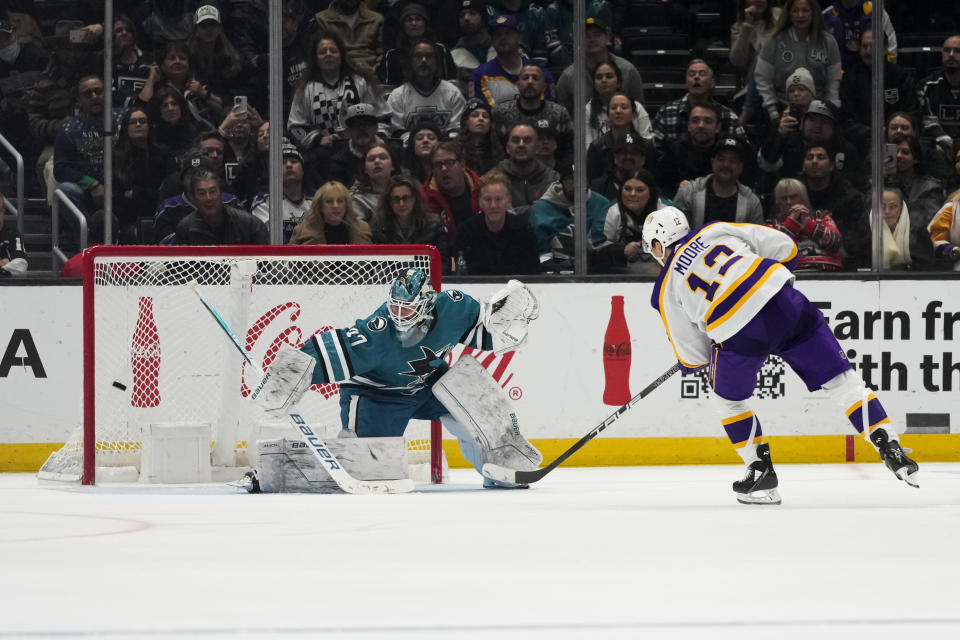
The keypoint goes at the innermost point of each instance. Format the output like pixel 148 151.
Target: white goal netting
pixel 154 356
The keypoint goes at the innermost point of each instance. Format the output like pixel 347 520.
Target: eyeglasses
pixel 445 164
pixel 401 199
pixel 138 121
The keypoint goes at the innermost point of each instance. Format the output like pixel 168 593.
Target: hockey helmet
pixel 411 299
pixel 668 225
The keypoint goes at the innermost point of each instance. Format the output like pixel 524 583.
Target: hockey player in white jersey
pixel 727 300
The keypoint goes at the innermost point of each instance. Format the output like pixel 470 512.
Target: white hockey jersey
pixel 716 281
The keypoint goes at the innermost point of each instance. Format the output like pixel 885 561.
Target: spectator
pixel 402 218
pixel 531 106
pixel 13 258
pixel 856 89
pixel 830 192
pixel 800 41
pixel 904 125
pixel 474 47
pixel 756 23
pixel 239 132
pixel 556 36
pixel 175 208
pixel 296 200
pixel 944 232
pixel 299 29
pixel 175 130
pixel 690 156
pixel 480 146
pixel 816 234
pixel 371 184
pixel 214 222
pixel 138 169
pixel 630 154
pixel 423 139
pixel 670 122
pixel 174 69
pixel 216 63
pixel 78 151
pixel 597 50
pixel 395 68
pixel 451 193
pixel 622 117
pixel 906 242
pixel 848 21
pixel 939 106
pixel 331 219
pixel 331 84
pixel 131 67
pixel 548 149
pixel 212 147
pixel 720 196
pixel 168 21
pixel 50 101
pixel 346 163
pixel 529 179
pixel 921 192
pixel 606 84
pixel 496 80
pixel 783 154
pixel 496 242
pixel 637 197
pixel 21 65
pixel 360 29
pixel 527 14
pixel 425 95
pixel 252 175
pixel 553 222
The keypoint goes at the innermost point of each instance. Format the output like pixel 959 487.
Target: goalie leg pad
pixel 486 423
pixel 287 466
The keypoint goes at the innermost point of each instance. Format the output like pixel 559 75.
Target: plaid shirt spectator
pixel 671 121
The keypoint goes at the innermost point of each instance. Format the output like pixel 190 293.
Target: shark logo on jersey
pixel 424 367
pixel 377 324
pixel 455 295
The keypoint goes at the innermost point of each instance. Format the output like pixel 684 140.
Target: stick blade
pixel 377 486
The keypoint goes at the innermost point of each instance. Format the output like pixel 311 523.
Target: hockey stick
pixel 315 443
pixel 496 472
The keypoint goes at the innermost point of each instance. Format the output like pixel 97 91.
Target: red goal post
pixel 153 356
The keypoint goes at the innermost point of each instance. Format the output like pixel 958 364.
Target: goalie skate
pixel 759 483
pixel 894 458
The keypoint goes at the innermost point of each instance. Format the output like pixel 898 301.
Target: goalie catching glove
pixel 289 377
pixel 507 315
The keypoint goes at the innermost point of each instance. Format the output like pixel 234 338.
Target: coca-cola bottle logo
pixel 618 350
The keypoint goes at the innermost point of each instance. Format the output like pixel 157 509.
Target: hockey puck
pixel 119 385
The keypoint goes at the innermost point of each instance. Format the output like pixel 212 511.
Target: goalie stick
pixel 314 442
pixel 496 472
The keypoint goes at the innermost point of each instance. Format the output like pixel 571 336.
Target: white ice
pixel 651 552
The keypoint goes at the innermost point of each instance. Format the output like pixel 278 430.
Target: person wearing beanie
pixel 415 26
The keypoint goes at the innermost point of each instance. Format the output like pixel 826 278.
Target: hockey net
pixel 153 356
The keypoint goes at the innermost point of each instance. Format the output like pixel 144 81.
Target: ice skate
pixel 759 484
pixel 249 482
pixel 895 458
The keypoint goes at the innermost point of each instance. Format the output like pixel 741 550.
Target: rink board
pixel 899 334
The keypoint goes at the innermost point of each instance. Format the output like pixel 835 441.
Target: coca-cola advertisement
pixel 616 356
pixel 145 358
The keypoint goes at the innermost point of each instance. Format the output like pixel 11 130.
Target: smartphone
pixel 890 154
pixel 77 35
pixel 240 105
pixel 795 111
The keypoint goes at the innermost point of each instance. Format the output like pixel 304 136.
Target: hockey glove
pixel 289 377
pixel 507 315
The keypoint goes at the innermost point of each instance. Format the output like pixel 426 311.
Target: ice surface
pixel 628 552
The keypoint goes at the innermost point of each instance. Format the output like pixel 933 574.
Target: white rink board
pixel 557 380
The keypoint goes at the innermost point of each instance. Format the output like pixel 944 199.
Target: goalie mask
pixel 668 225
pixel 411 299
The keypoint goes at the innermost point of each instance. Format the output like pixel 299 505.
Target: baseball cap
pixel 194 159
pixel 5 25
pixel 631 141
pixel 542 125
pixel 359 110
pixel 597 23
pixel 733 144
pixel 802 77
pixel 480 6
pixel 820 108
pixel 207 12
pixel 501 20
pixel 414 9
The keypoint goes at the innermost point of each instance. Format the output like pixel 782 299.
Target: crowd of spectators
pixel 450 123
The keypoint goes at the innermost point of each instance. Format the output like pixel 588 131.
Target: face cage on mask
pixel 418 310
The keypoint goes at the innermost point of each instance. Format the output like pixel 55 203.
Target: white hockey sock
pixel 849 391
pixel 742 427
